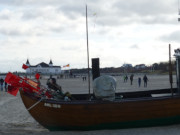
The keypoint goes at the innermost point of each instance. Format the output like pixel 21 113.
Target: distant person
pixel 125 78
pixel 145 80
pixel 70 74
pixel 84 78
pixel 1 82
pixel 139 81
pixel 131 78
pixel 5 86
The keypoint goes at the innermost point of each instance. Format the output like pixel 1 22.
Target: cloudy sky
pixel 131 31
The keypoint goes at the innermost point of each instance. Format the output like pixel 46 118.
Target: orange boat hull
pixel 87 115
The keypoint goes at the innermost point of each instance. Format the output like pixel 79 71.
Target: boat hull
pixel 93 115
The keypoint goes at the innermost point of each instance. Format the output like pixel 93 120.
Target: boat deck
pixel 120 97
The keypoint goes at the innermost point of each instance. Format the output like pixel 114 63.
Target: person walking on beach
pixel 1 82
pixel 84 78
pixel 125 78
pixel 5 86
pixel 145 80
pixel 131 78
pixel 139 81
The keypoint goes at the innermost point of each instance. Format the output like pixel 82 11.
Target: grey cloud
pixel 140 7
pixel 171 37
pixel 4 17
pixel 28 15
pixel 73 11
pixel 144 7
pixel 12 32
pixel 111 14
pixel 32 31
pixel 5 14
pixel 137 11
pixel 134 46
pixel 57 29
pixel 33 13
pixel 17 31
pixel 103 31
pixel 116 12
pixel 39 2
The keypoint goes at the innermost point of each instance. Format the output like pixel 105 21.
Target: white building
pixel 43 68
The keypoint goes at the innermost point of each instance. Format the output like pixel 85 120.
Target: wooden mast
pixel 170 70
pixel 87 52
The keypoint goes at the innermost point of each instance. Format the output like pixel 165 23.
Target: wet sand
pixel 15 119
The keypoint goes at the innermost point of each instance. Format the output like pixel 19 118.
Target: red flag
pixel 12 79
pixel 14 86
pixel 26 87
pixel 24 66
pixel 16 82
pixel 8 76
pixel 66 65
pixel 37 76
pixel 13 90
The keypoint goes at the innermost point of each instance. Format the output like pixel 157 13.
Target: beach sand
pixel 77 85
pixel 15 119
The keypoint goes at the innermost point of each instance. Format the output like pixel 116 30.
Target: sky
pixel 131 31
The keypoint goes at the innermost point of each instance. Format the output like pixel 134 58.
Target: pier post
pixel 95 68
pixel 177 55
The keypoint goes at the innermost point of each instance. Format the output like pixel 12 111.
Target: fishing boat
pixel 136 109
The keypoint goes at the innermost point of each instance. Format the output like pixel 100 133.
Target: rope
pixel 35 104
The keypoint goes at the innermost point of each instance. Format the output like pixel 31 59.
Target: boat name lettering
pixel 52 105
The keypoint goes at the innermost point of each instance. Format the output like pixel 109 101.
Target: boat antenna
pixel 87 51
pixel 178 8
pixel 178 11
pixel 170 70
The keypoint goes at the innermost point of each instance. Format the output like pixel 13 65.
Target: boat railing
pixel 125 95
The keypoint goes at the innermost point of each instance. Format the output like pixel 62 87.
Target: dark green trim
pixel 121 125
